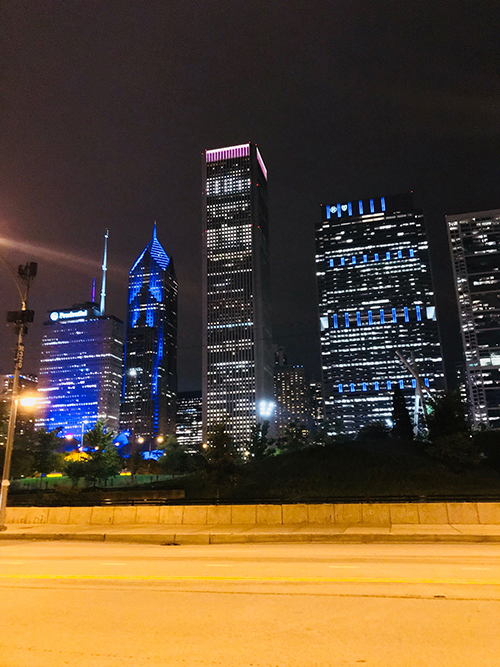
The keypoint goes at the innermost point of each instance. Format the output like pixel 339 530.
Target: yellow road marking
pixel 251 580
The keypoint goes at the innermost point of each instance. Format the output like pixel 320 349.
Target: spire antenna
pixel 104 269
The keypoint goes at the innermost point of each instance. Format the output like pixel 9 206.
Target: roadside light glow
pixel 266 408
pixel 160 439
pixel 28 401
pixel 204 445
pixel 140 440
pixel 68 437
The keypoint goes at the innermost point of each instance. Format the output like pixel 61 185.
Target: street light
pixel 21 319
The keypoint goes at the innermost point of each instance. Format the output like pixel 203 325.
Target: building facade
pixel 81 370
pixel 291 396
pixel 475 248
pixel 148 406
pixel 26 417
pixel 189 420
pixel 375 299
pixel 237 345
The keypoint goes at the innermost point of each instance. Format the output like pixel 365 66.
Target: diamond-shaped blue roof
pixel 157 252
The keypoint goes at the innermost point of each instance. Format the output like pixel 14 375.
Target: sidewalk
pixel 246 534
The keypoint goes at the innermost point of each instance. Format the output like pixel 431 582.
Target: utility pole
pixel 20 319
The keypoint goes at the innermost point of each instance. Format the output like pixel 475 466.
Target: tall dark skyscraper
pixel 375 298
pixel 81 370
pixel 237 345
pixel 475 248
pixel 150 379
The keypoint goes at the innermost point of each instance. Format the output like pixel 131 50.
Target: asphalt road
pixel 87 605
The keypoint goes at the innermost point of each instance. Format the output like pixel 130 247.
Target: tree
pixel 75 470
pixel 374 431
pixel 259 442
pixel 296 437
pixel 45 459
pixel 103 460
pixel 457 450
pixel 402 429
pixel 447 417
pixel 220 455
pixel 175 460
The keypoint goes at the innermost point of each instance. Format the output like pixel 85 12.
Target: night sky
pixel 106 108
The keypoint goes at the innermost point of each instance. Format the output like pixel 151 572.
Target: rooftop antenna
pixel 104 269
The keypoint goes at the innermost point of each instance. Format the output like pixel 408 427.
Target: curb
pixel 254 538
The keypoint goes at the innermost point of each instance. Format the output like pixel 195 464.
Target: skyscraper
pixel 237 346
pixel 291 395
pixel 150 379
pixel 189 422
pixel 475 247
pixel 81 370
pixel 375 299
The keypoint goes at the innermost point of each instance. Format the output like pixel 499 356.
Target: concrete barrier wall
pixel 376 514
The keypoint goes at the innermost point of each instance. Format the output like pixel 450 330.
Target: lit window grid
pixel 80 375
pixel 388 268
pixel 475 247
pixel 230 380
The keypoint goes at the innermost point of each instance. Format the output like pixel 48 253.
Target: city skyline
pixel 107 110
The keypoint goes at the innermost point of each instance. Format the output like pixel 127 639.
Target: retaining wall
pixel 376 514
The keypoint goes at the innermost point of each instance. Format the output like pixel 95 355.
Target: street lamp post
pixel 21 319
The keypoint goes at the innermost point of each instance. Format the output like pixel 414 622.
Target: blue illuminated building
pixel 81 370
pixel 150 378
pixel 375 298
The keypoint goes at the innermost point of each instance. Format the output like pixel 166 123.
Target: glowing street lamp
pixel 27 401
